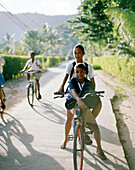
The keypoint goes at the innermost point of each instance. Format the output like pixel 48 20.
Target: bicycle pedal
pixel 70 137
pixel 89 132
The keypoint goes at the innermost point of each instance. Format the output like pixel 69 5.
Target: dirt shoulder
pixel 15 91
pixel 123 104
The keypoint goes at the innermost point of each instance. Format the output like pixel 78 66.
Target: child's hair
pixel 80 65
pixel 79 46
pixel 32 53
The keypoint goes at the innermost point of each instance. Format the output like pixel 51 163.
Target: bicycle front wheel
pixel 78 148
pixel 36 91
pixel 30 94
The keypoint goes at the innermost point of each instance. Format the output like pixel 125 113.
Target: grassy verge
pixel 116 101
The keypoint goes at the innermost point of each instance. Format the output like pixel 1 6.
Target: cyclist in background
pixel 2 64
pixel 35 65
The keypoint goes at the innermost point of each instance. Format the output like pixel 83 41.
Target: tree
pixel 32 41
pixel 93 24
pixel 66 39
pixel 123 21
pixel 50 38
pixel 127 4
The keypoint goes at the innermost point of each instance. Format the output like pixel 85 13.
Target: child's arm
pixel 79 101
pixel 39 64
pixel 93 81
pixel 25 67
pixel 61 89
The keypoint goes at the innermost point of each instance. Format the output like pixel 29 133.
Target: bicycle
pixel 3 97
pixel 32 87
pixel 79 130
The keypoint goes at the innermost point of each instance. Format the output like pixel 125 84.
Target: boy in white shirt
pixel 34 64
pixel 2 64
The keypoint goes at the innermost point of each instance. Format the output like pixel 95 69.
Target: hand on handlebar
pixel 59 95
pixel 22 71
pixel 82 105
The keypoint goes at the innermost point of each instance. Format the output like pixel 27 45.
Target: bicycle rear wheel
pixel 30 94
pixel 78 148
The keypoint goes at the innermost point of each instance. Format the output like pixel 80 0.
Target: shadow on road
pixel 50 111
pixel 109 136
pixel 116 163
pixel 98 163
pixel 12 135
pixel 54 113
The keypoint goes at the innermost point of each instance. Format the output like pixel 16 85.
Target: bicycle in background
pixel 32 87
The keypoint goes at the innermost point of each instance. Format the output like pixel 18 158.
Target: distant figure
pixel 67 58
pixel 34 65
pixel 2 64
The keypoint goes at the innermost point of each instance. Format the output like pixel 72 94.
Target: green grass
pixel 97 67
pixel 119 92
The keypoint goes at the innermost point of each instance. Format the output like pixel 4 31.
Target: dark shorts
pixel 1 80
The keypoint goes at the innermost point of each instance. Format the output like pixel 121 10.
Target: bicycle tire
pixel 3 95
pixel 36 91
pixel 78 148
pixel 30 94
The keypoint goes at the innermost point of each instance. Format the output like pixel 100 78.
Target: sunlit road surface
pixel 30 138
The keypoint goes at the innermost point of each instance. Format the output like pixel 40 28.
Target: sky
pixel 47 7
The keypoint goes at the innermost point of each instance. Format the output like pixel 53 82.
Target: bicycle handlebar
pixel 59 95
pixel 32 71
pixel 99 92
pixel 62 94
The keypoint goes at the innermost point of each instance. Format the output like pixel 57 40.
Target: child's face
pixel 78 54
pixel 80 73
pixel 32 56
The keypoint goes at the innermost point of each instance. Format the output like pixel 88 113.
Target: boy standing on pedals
pixel 78 52
pixel 86 87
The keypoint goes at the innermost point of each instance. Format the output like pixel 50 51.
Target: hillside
pixel 18 23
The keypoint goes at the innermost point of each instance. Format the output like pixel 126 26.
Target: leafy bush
pixel 122 68
pixel 97 67
pixel 16 63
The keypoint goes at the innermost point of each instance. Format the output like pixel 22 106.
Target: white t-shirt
pixel 2 62
pixel 35 65
pixel 91 72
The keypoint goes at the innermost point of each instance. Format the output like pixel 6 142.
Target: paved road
pixel 30 138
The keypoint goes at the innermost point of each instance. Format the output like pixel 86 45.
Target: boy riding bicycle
pixel 35 65
pixel 79 86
